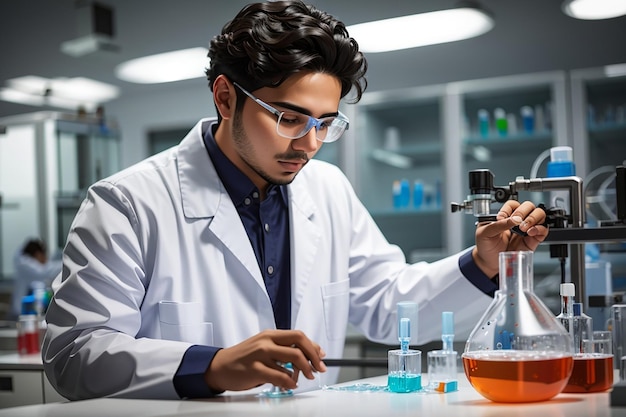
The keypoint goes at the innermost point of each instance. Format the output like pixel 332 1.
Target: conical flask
pixel 518 351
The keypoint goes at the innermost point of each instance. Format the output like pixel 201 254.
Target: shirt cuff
pixel 189 379
pixel 476 276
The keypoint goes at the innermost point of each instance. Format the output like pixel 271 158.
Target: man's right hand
pixel 259 360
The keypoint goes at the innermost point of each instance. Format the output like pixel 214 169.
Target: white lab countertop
pixel 329 403
pixel 15 361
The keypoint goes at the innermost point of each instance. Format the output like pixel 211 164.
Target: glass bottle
pixel 518 351
pixel 566 317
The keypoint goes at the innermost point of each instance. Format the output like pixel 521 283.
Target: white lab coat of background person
pixel 30 272
pixel 166 230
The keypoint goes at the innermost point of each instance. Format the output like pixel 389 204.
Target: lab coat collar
pixel 203 196
pixel 200 186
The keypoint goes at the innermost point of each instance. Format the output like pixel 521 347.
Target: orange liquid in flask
pixel 517 376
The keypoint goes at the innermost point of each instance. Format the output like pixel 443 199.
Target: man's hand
pixel 259 360
pixel 495 237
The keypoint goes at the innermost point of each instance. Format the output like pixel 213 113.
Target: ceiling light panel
pixel 594 9
pixel 421 29
pixel 166 67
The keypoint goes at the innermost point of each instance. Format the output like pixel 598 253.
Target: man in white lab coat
pixel 274 247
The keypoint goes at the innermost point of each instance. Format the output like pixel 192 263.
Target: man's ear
pixel 224 96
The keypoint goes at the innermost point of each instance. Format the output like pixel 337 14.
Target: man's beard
pixel 242 142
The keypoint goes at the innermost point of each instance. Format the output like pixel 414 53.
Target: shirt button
pixel 270 269
pixel 255 195
pixel 267 227
pixel 247 201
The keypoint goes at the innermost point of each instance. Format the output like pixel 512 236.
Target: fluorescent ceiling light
pixel 421 29
pixel 166 67
pixel 594 9
pixel 68 93
pixel 615 70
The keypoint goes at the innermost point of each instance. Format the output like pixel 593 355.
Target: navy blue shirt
pixel 267 225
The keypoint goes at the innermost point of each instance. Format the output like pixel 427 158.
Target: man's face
pixel 254 145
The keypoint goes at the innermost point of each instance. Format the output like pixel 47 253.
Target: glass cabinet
pixel 508 125
pixel 86 151
pixel 47 161
pixel 599 132
pixel 399 172
pixel 421 143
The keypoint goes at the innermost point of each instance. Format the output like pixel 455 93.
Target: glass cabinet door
pixel 86 152
pixel 599 129
pixel 399 171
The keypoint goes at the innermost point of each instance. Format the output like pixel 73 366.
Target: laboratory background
pixel 532 79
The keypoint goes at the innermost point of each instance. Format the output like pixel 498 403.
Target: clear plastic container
pixel 518 351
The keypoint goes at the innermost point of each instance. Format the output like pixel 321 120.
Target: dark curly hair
pixel 268 42
pixel 34 246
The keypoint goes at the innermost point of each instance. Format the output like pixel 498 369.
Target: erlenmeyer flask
pixel 518 351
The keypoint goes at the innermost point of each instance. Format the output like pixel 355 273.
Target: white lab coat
pixel 166 229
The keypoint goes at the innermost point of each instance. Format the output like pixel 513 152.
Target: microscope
pixel 567 230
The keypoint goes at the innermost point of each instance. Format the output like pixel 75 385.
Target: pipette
pixel 442 364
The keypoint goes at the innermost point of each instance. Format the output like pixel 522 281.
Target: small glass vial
pixel 442 364
pixel 405 370
pixel 499 116
pixel 278 392
pixel 404 364
pixel 483 123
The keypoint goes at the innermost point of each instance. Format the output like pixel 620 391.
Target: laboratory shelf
pixel 510 138
pixel 407 211
pixel 610 128
pixel 409 156
pixel 498 146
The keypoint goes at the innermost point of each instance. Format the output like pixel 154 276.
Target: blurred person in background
pixel 33 269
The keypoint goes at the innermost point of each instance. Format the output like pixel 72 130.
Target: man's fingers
pixel 525 216
pixel 311 353
pixel 299 361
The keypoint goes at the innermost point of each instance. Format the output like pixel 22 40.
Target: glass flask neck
pixel 516 272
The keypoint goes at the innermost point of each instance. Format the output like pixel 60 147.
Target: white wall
pixel 139 114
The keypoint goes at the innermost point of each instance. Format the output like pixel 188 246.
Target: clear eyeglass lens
pixel 296 125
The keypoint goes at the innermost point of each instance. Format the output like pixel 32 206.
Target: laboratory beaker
pixel 593 367
pixel 405 370
pixel 518 351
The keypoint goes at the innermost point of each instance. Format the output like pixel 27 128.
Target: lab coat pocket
pixel 183 322
pixel 336 298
